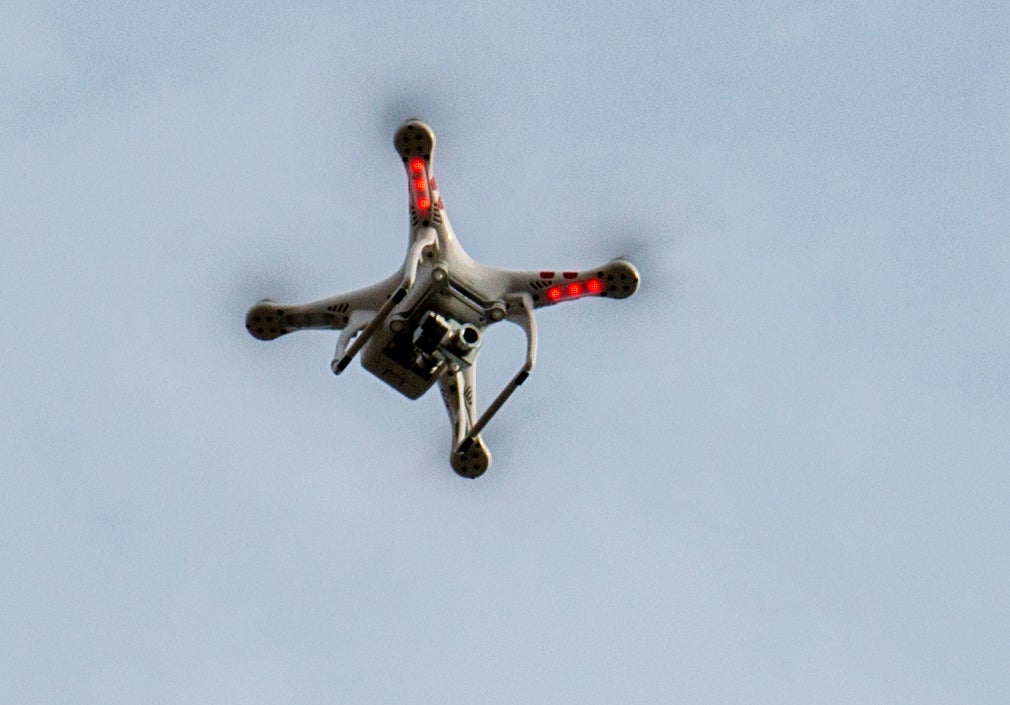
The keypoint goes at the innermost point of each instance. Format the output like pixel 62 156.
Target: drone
pixel 425 323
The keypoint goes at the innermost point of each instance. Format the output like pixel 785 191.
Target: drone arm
pixel 269 319
pixel 414 255
pixel 458 394
pixel 526 319
pixel 617 279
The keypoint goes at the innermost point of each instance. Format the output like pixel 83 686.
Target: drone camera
pixel 441 337
pixel 431 332
pixel 469 336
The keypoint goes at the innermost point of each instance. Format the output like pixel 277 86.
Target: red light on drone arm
pixel 574 290
pixel 419 183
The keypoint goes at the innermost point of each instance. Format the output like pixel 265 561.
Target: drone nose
pixel 414 139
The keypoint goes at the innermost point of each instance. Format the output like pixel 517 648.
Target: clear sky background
pixel 777 474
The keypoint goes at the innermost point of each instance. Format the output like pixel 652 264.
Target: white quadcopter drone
pixel 425 323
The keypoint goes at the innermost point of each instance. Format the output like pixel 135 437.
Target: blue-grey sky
pixel 777 474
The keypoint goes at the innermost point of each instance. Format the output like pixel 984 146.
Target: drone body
pixel 425 323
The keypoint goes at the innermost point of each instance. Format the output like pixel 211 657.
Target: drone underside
pixel 425 323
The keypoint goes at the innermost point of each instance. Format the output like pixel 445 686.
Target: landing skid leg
pixel 523 317
pixel 430 237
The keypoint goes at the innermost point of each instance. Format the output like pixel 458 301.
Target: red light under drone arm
pixel 575 289
pixel 420 184
pixel 617 280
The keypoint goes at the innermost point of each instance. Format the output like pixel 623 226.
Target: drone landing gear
pixel 339 365
pixel 528 322
pixel 470 457
pixel 427 238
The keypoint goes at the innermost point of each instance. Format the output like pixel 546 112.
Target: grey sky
pixel 777 474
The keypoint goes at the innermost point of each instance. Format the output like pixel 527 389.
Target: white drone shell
pixel 424 324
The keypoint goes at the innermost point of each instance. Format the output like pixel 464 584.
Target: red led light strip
pixel 421 184
pixel 574 290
